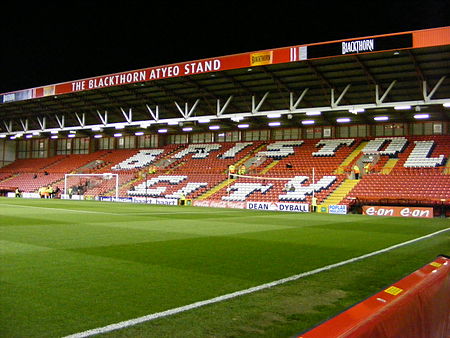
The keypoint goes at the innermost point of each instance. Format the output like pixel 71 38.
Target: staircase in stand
pixel 340 192
pixel 350 158
pixel 215 189
pixel 268 167
pixel 390 164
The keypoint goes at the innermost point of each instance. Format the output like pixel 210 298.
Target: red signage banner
pixel 417 212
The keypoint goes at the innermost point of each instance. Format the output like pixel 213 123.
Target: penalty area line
pixel 135 321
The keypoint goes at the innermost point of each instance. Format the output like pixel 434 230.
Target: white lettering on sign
pixel 379 212
pixel 358 46
pixel 114 80
pixel 201 67
pixel 163 72
pixel 407 212
pixel 418 212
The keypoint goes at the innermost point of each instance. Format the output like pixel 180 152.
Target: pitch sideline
pixel 146 318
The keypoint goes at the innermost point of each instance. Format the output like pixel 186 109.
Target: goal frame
pixel 116 176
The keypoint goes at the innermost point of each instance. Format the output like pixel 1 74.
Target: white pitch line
pixel 60 209
pixel 149 213
pixel 135 321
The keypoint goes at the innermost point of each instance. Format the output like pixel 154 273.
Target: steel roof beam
pixel 292 105
pixel 335 103
pixel 427 97
pixel 379 100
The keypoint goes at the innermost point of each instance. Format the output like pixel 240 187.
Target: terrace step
pixel 389 166
pixel 350 158
pixel 215 189
pixel 270 166
pixel 340 192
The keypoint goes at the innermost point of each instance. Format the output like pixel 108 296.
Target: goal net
pixel 297 188
pixel 90 186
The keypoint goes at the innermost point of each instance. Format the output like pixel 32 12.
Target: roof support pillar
pixel 335 103
pixel 60 121
pixel 128 116
pixel 24 124
pixel 379 100
pixel 42 123
pixel 186 112
pixel 8 126
pixel 154 114
pixel 426 96
pixel 220 110
pixel 255 108
pixel 82 120
pixel 292 105
pixel 104 117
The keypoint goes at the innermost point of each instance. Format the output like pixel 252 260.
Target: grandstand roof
pixel 338 78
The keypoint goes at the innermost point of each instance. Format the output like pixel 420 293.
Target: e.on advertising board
pixel 418 212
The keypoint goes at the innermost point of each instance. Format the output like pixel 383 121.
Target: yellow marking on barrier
pixel 393 290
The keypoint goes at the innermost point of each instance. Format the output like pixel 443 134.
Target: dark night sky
pixel 47 43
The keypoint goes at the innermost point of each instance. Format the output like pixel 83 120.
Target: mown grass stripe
pixel 170 312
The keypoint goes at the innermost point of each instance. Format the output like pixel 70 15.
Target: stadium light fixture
pixel 118 135
pixel 172 123
pixel 119 126
pixel 214 127
pixel 139 133
pixel 144 125
pixel 273 116
pixel 204 120
pixel 274 124
pixel 421 116
pixel 53 132
pixel 162 131
pixel 402 107
pixel 187 129
pixel 71 135
pixel 29 136
pixel 2 136
pixel 343 120
pixel 98 136
pixel 96 128
pixel 54 136
pixel 243 125
pixel 446 104
pixel 356 111
pixel 308 122
pixel 313 113
pixel 381 118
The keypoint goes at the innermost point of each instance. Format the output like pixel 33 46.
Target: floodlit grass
pixel 69 266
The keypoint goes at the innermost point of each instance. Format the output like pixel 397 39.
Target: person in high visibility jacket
pixel 231 169
pixel 367 168
pixel 356 171
pixel 242 170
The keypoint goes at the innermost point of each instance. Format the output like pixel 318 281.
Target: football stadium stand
pixel 281 171
pixel 295 123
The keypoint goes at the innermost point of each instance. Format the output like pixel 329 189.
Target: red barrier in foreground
pixel 416 306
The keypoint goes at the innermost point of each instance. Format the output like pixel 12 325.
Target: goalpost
pixel 294 185
pixel 92 185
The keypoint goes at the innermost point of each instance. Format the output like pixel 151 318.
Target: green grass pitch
pixel 71 266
